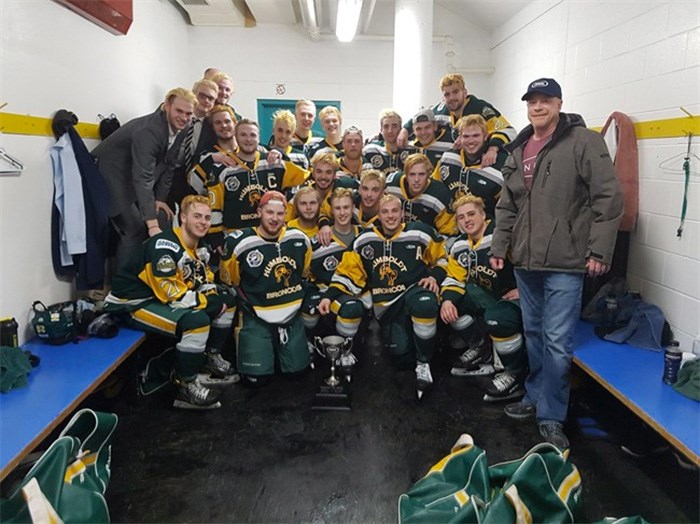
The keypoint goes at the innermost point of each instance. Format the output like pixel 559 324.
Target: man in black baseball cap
pixel 545 86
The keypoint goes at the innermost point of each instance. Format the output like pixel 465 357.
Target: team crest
pixel 232 183
pixel 282 274
pixel 463 259
pixel 367 252
pixel 254 258
pixel 331 263
pixel 444 172
pixel 388 273
pixel 166 264
pixel 377 161
pixel 404 155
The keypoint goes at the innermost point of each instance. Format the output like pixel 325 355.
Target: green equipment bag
pixel 541 486
pixel 56 324
pixel 68 482
pixel 157 374
pixel 456 489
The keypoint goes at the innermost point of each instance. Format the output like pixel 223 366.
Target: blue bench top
pixel 66 375
pixel 633 375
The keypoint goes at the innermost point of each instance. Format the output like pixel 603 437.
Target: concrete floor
pixel 265 456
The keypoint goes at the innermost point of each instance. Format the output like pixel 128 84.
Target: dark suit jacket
pixel 137 164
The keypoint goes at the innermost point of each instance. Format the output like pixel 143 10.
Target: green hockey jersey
pixel 380 157
pixel 237 190
pixel 464 178
pixel 268 274
pixel 163 268
pixel 435 149
pixel 468 263
pixel 325 259
pixel 431 207
pixel 389 266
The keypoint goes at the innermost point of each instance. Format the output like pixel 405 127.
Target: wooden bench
pixel 633 376
pixel 66 375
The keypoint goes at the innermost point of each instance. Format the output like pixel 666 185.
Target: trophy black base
pixel 332 398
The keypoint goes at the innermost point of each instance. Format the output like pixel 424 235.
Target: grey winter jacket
pixel 573 209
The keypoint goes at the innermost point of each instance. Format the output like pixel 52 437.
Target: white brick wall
pixel 640 58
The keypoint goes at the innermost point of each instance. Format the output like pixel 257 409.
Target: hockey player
pixel 461 171
pixel 372 186
pixel 351 162
pixel 166 287
pixel 384 153
pixel 241 186
pixel 401 264
pixel 307 205
pixel 456 103
pixel 203 177
pixel 423 199
pixel 331 122
pixel 305 113
pixel 431 139
pixel 473 294
pixel 346 311
pixel 267 264
pixel 283 126
pixel 324 167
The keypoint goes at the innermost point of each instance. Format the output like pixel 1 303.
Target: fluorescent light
pixel 348 17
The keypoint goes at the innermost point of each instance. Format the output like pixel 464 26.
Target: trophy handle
pixel 318 344
pixel 347 346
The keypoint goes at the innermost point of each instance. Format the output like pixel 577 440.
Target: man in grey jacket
pixel 137 162
pixel 557 221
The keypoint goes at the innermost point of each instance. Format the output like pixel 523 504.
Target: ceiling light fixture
pixel 348 17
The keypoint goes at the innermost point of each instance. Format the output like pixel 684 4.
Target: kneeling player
pixel 166 287
pixel 472 291
pixel 268 264
pixel 402 265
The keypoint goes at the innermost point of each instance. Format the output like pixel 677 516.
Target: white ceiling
pixel 377 15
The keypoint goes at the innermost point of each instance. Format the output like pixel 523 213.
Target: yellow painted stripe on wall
pixel 666 128
pixel 14 124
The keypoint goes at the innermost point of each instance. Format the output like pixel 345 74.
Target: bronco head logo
pixel 387 273
pixel 281 273
pixel 254 199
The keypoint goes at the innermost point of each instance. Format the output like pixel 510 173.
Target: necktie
pixel 189 144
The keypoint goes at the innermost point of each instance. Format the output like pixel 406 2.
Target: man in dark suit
pixel 137 162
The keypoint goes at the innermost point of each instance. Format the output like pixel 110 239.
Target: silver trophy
pixel 333 393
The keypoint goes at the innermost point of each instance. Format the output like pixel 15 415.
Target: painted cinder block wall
pixel 637 57
pixel 641 58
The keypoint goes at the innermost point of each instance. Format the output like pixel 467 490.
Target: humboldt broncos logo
pixel 386 272
pixel 282 273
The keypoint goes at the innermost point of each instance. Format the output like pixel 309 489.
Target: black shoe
pixel 520 410
pixel 553 432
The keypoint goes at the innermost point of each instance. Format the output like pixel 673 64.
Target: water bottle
pixel 672 362
pixel 8 332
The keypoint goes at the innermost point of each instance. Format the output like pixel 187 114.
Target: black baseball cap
pixel 546 86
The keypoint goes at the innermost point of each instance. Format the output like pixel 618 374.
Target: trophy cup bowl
pixel 333 393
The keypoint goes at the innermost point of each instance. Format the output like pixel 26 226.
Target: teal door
pixel 268 106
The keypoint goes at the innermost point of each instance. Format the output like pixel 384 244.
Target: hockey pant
pixel 195 329
pixel 409 326
pixel 502 322
pixel 260 343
